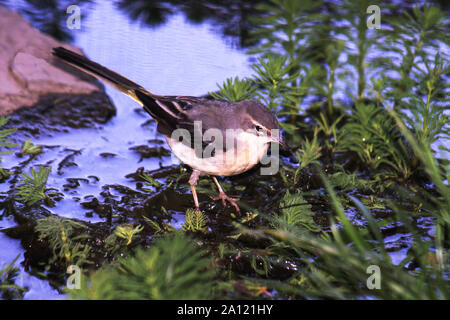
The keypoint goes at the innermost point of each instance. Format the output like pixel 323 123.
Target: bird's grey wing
pixel 187 119
pixel 205 124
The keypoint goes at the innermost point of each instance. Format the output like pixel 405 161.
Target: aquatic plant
pixel 295 213
pixel 65 239
pixel 346 264
pixel 127 232
pixel 149 181
pixel 235 90
pixel 195 221
pixel 172 268
pixel 29 148
pixel 32 188
pixel 5 143
pixel 8 288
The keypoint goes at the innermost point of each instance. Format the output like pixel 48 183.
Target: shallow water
pixel 177 58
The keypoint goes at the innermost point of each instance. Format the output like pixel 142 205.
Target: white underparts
pixel 245 152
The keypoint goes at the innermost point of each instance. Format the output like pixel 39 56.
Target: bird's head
pixel 259 121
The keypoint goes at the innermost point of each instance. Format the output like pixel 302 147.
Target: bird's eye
pixel 258 128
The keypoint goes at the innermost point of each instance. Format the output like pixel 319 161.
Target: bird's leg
pixel 222 196
pixel 193 182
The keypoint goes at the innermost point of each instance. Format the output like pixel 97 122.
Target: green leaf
pixel 296 214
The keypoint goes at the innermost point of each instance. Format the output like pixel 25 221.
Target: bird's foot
pixel 223 196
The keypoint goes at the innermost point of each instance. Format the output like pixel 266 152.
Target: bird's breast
pixel 248 150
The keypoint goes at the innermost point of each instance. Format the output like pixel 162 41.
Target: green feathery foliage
pixel 123 235
pixel 309 153
pixel 295 214
pixel 340 267
pixel 29 148
pixel 285 25
pixel 8 289
pixel 195 221
pixel 346 181
pixel 373 135
pixel 127 232
pixel 365 105
pixel 409 39
pixel 32 188
pixel 173 268
pixel 234 90
pixel 274 75
pixel 4 133
pixel 65 239
pixel 159 229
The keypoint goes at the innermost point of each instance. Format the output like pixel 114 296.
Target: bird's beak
pixel 281 142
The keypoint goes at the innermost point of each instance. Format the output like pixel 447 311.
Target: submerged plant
pixel 428 118
pixel 309 153
pixel 365 106
pixel 340 266
pixel 414 69
pixel 150 181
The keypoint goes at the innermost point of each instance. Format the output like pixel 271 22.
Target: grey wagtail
pixel 219 138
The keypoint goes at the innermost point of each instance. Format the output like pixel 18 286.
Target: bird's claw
pixel 222 196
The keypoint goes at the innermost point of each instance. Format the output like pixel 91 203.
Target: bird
pixel 213 137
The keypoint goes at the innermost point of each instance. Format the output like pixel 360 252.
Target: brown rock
pixel 27 68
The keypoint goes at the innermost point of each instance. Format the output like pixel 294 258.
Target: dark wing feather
pixel 181 112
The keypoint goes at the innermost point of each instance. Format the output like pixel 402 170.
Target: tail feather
pixel 113 78
pixel 162 109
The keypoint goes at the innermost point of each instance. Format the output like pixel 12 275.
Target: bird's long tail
pixel 112 78
pixel 152 103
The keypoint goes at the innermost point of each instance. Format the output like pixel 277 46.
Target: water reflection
pixel 229 17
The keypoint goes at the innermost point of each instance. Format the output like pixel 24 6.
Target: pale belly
pixel 246 155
